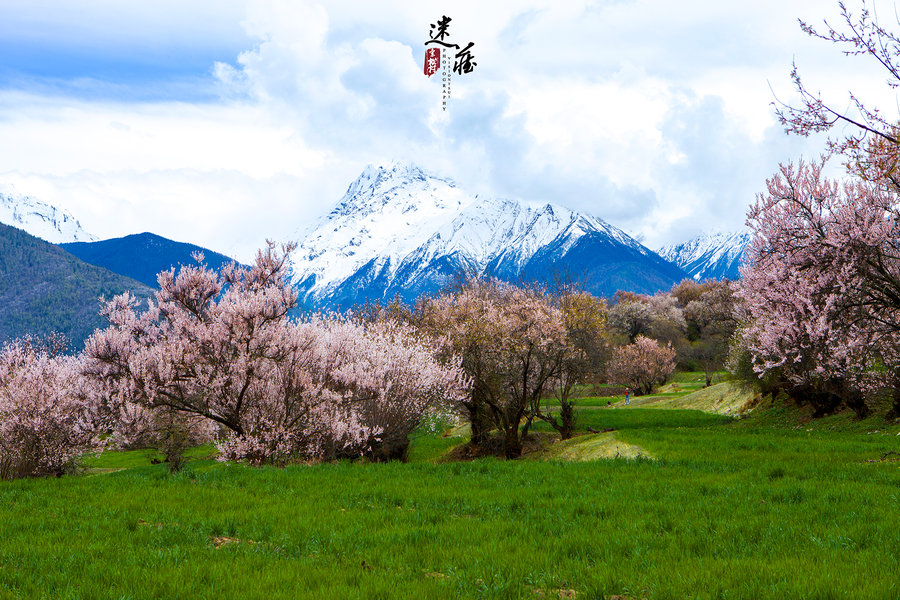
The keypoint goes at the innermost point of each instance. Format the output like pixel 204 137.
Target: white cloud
pixel 62 136
pixel 652 114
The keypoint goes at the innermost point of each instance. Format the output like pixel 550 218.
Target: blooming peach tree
pixel 345 389
pixel 641 365
pixel 47 417
pixel 509 339
pixel 204 344
pixel 581 359
pixel 869 140
pixel 825 317
pixel 822 285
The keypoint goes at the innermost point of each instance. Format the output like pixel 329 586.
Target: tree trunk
pixel 512 443
pixel 527 426
pixel 894 413
pixel 396 448
pixel 857 403
pixel 823 402
pixel 480 427
pixel 567 416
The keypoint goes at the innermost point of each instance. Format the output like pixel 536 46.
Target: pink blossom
pixel 47 418
pixel 642 365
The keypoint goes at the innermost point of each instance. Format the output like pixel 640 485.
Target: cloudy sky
pixel 227 122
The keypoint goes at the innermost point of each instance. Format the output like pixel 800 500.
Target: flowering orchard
pixel 214 356
pixel 220 346
pixel 518 345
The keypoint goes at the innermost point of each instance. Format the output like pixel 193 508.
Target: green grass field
pixel 767 506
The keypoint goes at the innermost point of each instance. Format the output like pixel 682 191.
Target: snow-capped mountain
pixel 709 255
pixel 401 231
pixel 40 219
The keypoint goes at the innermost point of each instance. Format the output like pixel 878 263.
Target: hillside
pixel 726 398
pixel 43 289
pixel 142 255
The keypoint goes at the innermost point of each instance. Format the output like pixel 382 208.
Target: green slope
pixel 43 289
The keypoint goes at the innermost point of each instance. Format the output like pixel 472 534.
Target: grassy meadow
pixel 674 502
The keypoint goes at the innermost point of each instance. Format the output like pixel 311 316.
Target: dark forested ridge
pixel 142 255
pixel 43 289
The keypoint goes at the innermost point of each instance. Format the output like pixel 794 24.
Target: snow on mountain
pixel 400 230
pixel 39 218
pixel 709 255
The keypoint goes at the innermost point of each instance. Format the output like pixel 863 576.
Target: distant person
pixel 627 396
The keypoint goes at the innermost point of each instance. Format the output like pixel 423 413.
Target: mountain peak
pixel 709 255
pixel 403 170
pixel 387 176
pixel 142 256
pixel 379 185
pixel 400 229
pixel 40 219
